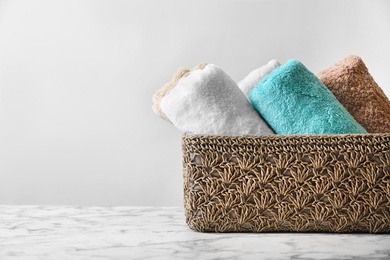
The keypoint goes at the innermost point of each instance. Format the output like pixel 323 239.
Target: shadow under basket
pixel 296 183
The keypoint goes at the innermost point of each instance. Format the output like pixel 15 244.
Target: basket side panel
pixel 296 183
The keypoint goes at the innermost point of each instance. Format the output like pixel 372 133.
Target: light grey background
pixel 77 78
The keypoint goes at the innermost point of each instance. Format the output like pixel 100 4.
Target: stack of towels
pixel 275 99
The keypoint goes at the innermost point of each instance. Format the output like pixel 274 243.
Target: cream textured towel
pixel 165 90
pixel 207 101
pixel 254 78
pixel 352 84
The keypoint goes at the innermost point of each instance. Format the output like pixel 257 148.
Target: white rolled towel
pixel 208 101
pixel 254 78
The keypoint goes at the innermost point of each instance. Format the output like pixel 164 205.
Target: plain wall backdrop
pixel 77 80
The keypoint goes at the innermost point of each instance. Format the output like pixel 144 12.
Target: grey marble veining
pixel 65 232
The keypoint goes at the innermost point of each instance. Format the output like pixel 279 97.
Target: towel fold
pixel 352 84
pixel 208 101
pixel 254 78
pixel 294 101
pixel 165 91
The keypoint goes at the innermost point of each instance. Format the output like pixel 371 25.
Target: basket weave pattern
pixel 317 183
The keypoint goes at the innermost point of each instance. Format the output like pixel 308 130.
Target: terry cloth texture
pixel 169 86
pixel 165 90
pixel 253 78
pixel 207 101
pixel 352 84
pixel 294 101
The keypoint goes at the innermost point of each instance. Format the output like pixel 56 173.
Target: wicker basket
pixel 316 183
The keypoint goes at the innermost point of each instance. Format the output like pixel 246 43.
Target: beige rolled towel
pixel 352 84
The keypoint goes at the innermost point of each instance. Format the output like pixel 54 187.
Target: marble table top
pixel 66 232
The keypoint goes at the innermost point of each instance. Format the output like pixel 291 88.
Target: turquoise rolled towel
pixel 294 101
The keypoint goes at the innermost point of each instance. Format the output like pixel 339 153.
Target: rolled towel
pixel 254 78
pixel 246 84
pixel 165 90
pixel 352 84
pixel 208 101
pixel 294 101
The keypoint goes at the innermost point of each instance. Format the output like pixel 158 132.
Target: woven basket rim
pixel 277 136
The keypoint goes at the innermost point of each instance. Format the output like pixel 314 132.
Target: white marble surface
pixel 66 232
